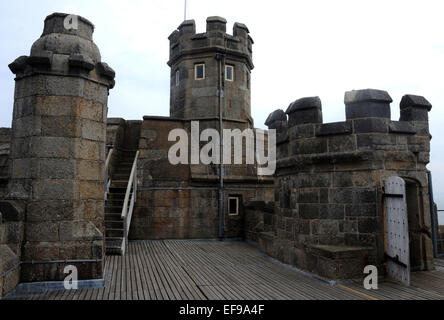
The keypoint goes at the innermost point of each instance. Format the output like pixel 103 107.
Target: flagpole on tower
pixel 185 11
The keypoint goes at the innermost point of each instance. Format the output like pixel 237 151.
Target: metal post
pixel 219 57
pixel 433 217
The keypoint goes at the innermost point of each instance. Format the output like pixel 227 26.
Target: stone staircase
pixel 114 224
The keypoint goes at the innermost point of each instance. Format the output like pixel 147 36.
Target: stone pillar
pixel 367 103
pixel 58 151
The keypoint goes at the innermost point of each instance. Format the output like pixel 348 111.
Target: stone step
pixel 114 202
pixel 116 209
pixel 113 240
pixel 126 164
pixel 113 246
pixel 120 177
pixel 112 216
pixel 126 171
pixel 114 224
pixel 112 196
pixel 127 159
pixel 119 184
pixel 114 232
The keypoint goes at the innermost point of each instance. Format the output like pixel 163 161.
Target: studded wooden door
pixel 397 230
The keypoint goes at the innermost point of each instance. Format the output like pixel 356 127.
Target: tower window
pixel 233 206
pixel 247 76
pixel 229 73
pixel 177 78
pixel 199 71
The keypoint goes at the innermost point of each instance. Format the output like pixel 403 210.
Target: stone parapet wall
pixel 330 177
pixel 258 216
pixel 5 144
pixel 180 201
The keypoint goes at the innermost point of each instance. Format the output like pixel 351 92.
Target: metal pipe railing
pixel 107 178
pixel 128 204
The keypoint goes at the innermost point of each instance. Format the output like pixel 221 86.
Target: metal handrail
pixel 107 179
pixel 128 204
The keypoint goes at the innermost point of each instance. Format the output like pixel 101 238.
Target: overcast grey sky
pixel 302 48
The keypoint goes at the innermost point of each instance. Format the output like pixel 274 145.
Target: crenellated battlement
pixel 367 128
pixel 185 41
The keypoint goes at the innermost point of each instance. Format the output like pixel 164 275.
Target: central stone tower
pixel 204 64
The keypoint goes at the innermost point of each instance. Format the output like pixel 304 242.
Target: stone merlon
pixel 278 115
pixel 305 103
pixel 410 100
pixel 367 103
pixel 305 110
pixel 415 108
pixel 367 95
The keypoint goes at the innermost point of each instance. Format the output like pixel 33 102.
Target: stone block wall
pixel 5 144
pixel 163 201
pixel 330 177
pixel 58 151
pixel 181 201
pixel 121 136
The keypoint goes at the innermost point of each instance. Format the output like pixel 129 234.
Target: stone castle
pixel 76 185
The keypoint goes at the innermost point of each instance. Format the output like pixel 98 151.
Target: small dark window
pixel 229 73
pixel 177 78
pixel 199 71
pixel 233 206
pixel 247 75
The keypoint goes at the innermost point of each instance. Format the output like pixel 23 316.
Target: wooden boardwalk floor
pixel 201 270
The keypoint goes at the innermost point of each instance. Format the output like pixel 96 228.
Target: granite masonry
pixel 57 155
pixel 322 211
pixel 329 184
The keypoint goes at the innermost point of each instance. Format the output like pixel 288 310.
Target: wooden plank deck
pixel 201 270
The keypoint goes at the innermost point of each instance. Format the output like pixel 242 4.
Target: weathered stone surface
pixel 58 152
pixel 336 128
pixel 367 95
pixel 402 127
pixel 57 169
pixel 409 101
pixel 91 190
pixel 371 125
pixel 367 104
pixel 50 210
pixel 278 115
pixel 11 211
pixel 79 231
pixel 194 99
pixel 305 103
pixel 42 231
pixel 81 61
